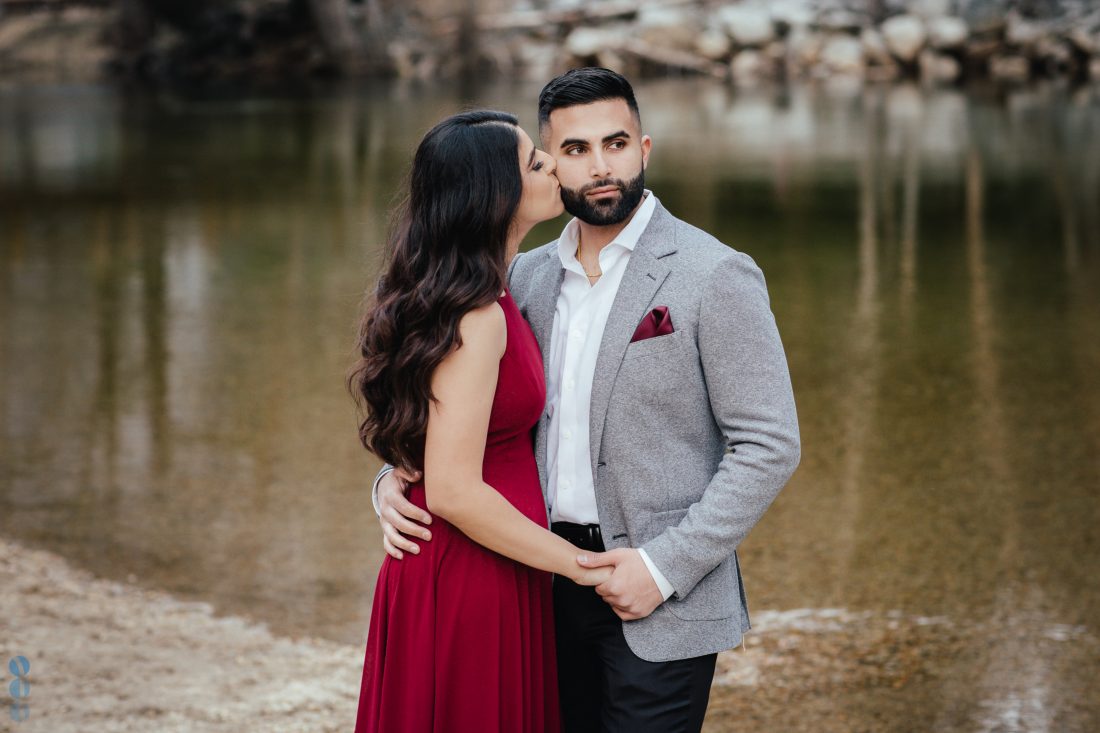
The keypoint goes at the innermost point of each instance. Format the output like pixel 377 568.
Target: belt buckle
pixel 593 535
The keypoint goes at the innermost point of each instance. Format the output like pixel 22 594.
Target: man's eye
pixel 573 151
pixel 618 144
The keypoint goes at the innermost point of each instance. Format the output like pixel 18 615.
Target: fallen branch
pixel 673 58
pixel 533 20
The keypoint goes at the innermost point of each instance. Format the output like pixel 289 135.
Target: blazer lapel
pixel 541 306
pixel 542 303
pixel 643 277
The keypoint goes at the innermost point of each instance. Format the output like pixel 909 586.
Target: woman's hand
pixel 593 576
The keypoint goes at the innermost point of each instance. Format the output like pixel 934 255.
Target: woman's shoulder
pixel 485 327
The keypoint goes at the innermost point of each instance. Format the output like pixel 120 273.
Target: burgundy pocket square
pixel 656 323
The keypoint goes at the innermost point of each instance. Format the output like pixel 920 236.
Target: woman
pixel 461 634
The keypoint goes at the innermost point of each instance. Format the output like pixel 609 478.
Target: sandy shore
pixel 108 656
pixel 111 657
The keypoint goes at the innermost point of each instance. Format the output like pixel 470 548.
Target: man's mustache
pixel 617 182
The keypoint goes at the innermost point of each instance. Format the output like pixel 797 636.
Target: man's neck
pixel 593 238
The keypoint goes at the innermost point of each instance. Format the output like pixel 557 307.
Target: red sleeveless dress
pixel 461 638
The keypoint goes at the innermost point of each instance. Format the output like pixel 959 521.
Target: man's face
pixel 601 156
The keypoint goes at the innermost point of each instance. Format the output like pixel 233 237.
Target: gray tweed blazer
pixel 693 434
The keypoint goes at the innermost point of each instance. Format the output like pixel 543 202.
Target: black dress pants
pixel 606 688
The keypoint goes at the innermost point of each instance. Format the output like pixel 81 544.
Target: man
pixel 669 428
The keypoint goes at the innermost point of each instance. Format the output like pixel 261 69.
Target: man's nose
pixel 600 168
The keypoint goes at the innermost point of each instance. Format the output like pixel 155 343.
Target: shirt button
pixel 567 434
pixel 565 487
pixel 571 384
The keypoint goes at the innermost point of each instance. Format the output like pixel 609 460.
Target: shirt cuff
pixel 662 582
pixel 374 489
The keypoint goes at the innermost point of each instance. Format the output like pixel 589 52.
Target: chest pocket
pixel 652 368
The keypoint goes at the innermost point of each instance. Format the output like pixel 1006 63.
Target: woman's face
pixel 541 198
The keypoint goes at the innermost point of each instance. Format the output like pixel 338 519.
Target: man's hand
pixel 399 516
pixel 631 590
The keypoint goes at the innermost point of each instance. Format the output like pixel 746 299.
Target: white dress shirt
pixel 579 320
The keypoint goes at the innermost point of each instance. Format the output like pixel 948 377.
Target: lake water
pixel 180 281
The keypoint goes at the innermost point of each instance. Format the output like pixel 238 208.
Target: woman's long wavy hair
pixel 445 257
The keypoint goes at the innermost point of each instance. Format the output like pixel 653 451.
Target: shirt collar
pixel 627 238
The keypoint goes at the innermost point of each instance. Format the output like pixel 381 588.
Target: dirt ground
pixel 108 656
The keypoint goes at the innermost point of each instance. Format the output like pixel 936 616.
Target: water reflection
pixel 179 282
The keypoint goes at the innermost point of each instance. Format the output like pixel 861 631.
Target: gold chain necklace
pixel 577 257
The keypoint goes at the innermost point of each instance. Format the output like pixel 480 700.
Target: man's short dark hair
pixel 585 85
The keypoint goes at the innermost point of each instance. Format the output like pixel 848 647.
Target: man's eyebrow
pixel 606 138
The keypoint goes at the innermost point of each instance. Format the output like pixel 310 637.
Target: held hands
pixel 592 576
pixel 630 590
pixel 399 517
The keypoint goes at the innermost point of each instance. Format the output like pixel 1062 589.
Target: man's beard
pixel 604 212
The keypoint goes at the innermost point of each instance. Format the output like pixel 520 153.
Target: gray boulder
pixel 843 54
pixel 713 44
pixel 947 33
pixel 937 67
pixel 874 47
pixel 904 36
pixel 668 27
pixel 586 42
pixel 749 67
pixel 748 25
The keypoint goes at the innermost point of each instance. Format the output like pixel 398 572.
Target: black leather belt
pixel 584 536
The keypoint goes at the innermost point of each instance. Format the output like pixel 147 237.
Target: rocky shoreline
pixel 749 42
pixel 743 43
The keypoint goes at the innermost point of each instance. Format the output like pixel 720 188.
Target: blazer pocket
pixel 654 345
pixel 658 522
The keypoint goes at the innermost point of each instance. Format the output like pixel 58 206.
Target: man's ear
pixel 647 146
